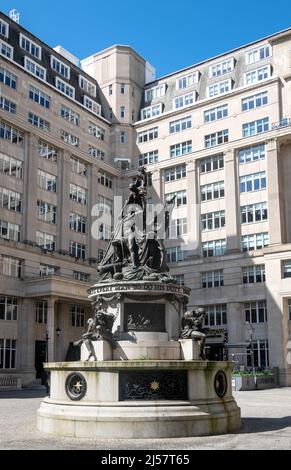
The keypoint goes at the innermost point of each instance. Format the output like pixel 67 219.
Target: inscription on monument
pixel 144 317
pixel 153 385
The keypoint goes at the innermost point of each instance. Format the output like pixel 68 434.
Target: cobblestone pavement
pixel 266 424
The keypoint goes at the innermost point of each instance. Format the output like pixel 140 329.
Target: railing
pixel 283 123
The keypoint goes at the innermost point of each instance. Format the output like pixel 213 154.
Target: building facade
pixel 217 134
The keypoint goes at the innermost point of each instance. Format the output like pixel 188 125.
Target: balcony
pixel 283 123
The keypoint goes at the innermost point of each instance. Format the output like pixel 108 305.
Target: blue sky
pixel 169 34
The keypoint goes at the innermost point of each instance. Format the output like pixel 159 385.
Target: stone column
pixel 158 185
pixel 236 330
pixel 51 328
pixel 25 335
pixel 193 210
pixel 232 212
pixel 92 201
pixel 275 194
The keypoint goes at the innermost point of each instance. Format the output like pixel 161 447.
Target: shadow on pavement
pixel 25 393
pixel 255 425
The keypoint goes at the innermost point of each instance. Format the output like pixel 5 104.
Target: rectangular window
pixel 48 270
pixel 256 241
pixel 10 166
pixel 78 223
pixel 289 309
pixel 180 279
pixel 215 114
pixel 213 163
pixel 105 179
pixel 148 158
pixel 30 46
pixel 65 88
pixel 122 112
pixel 77 314
pixel 258 54
pixel 151 111
pixel 219 88
pixel 218 138
pixel 39 97
pixel 100 255
pixel 87 86
pixel 69 138
pixel 252 154
pixel 10 200
pixel 155 92
pixel 177 228
pixel 255 127
pixel 47 181
pixel 253 182
pixel 149 134
pixel 180 125
pixel 187 80
pixel 184 100
pixel 258 75
pixel 92 105
pixel 47 212
pixel 8 353
pixel 254 213
pixel 216 315
pixel 175 172
pixel 9 307
pixel 80 276
pixel 8 78
pixel 46 241
pixel 97 131
pixel 255 312
pixel 11 134
pixel 35 69
pixel 212 279
pixel 122 88
pixel 122 137
pixel 60 67
pixel 213 220
pixel 181 197
pixel 6 50
pixel 4 28
pixel 176 254
pixel 260 354
pixel 180 149
pixel 78 194
pixel 214 248
pixel 105 204
pixel 38 121
pixel 47 151
pixel 78 166
pixel 9 231
pixel 287 268
pixel 70 115
pixel 10 266
pixel 77 250
pixel 41 311
pixel 96 153
pixel 253 274
pixel 254 101
pixel 212 191
pixel 110 89
pixel 221 68
pixel 7 105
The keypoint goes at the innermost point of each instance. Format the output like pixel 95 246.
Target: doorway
pixel 215 352
pixel 40 357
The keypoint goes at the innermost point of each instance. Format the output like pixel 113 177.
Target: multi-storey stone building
pixel 216 134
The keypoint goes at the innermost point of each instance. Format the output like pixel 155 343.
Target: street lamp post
pixel 251 337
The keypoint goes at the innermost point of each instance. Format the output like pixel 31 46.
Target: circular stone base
pixel 139 419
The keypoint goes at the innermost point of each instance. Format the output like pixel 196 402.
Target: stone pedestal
pixel 103 351
pixel 190 350
pixel 139 399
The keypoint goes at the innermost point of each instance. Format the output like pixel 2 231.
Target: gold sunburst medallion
pixel 155 385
